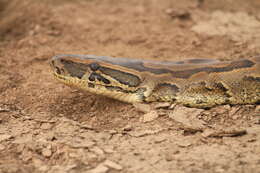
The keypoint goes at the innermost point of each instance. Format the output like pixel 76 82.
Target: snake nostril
pixel 52 62
pixel 58 70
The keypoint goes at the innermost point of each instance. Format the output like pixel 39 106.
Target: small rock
pixel 170 154
pixel 97 151
pixel 172 106
pixel 145 108
pixel 144 133
pixel 184 143
pixel 187 116
pixel 46 152
pixel 86 126
pixel 38 162
pixel 257 109
pixel 112 132
pixel 43 168
pixel 46 126
pixel 233 111
pixel 113 165
pixel 4 108
pixel 207 132
pixel 81 143
pixel 162 105
pixel 127 128
pixel 49 136
pixel 257 120
pixel 221 109
pixel 150 116
pixel 161 113
pixel 99 169
pixel 159 139
pixel 169 157
pixel 2 147
pixel 73 155
pixel 68 168
pixel 5 137
pixel 109 150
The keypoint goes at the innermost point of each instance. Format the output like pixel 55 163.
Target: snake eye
pixel 58 70
pixel 94 66
pixel 91 77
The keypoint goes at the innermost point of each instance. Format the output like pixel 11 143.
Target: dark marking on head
pixel 122 77
pixel 75 69
pixel 232 66
pixel 94 76
pixel 116 88
pixel 199 61
pixel 91 85
pixel 138 65
pixel 94 66
pixel 101 78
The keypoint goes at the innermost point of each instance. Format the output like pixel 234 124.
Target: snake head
pixel 100 75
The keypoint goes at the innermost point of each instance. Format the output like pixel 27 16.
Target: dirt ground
pixel 48 127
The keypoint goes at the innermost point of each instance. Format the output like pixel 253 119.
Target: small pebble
pixel 113 165
pixel 162 105
pixel 150 116
pixel 99 169
pixel 159 139
pixel 97 151
pixel 46 152
pixel 145 108
pixel 5 137
pixel 2 147
pixel 127 128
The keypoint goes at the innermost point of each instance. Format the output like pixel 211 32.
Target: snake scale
pixel 200 83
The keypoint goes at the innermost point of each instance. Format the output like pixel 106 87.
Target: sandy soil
pixel 48 127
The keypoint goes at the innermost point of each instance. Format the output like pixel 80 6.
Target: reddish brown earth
pixel 48 127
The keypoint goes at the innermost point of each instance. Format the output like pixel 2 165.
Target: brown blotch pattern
pixel 75 69
pixel 122 77
pixel 232 66
pixel 139 66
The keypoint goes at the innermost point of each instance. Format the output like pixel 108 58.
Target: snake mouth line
pixel 115 92
pixel 56 75
pixel 92 85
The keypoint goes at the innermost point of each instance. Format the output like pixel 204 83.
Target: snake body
pixel 201 83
